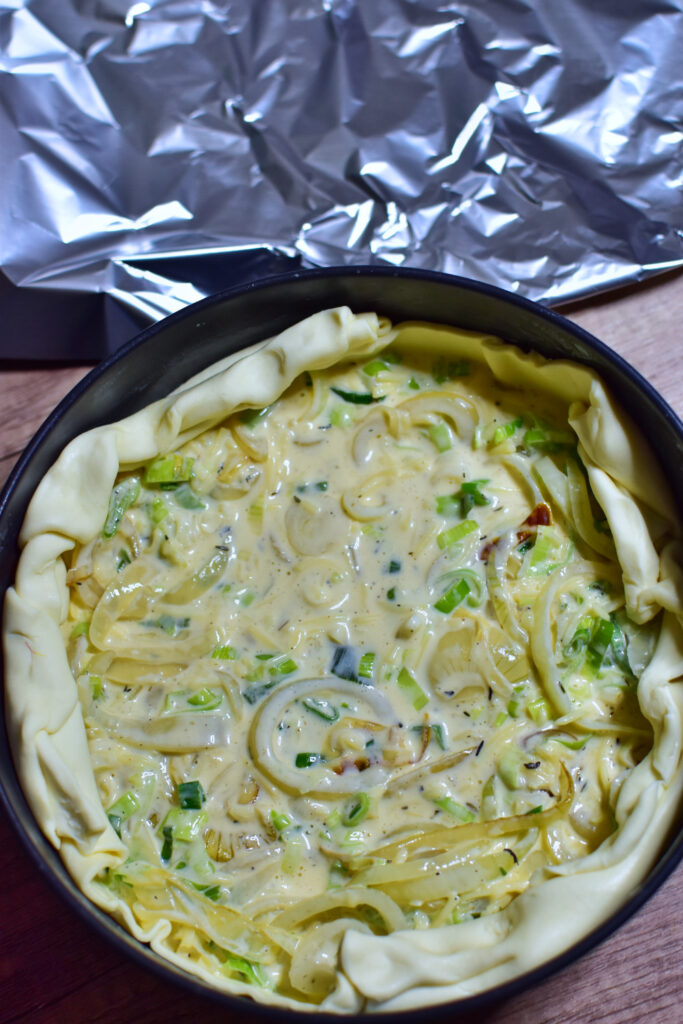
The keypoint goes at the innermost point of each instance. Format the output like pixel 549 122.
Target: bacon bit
pixel 360 764
pixel 540 516
pixel 487 549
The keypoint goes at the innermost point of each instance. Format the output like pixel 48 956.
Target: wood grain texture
pixel 55 970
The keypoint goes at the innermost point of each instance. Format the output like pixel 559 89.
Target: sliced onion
pixel 317 779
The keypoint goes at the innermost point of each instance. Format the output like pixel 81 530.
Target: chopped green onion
pixel 169 469
pixel 355 809
pixel 456 533
pixel 413 385
pixel 357 398
pixel 453 597
pixel 413 690
pixel 122 497
pixel 186 498
pixel 391 594
pixel 322 708
pixel 80 629
pixel 96 687
pixel 191 795
pixel 308 759
pixel 535 810
pixel 394 566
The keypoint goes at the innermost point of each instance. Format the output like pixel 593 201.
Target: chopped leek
pixel 355 809
pixel 186 824
pixel 458 810
pixel 253 972
pixel 444 370
pixel 374 367
pixel 120 811
pixel 447 538
pixel 453 597
pixel 357 398
pixel 122 497
pixel 250 417
pixel 322 708
pixel 186 701
pixel 280 821
pixel 191 795
pixel 167 847
pixel 169 469
pixel 80 629
pixel 169 623
pixel 506 430
pixel 435 732
pixel 366 665
pixel 186 498
pixel 123 560
pixel 440 436
pixel 224 651
pixel 412 689
pixel 307 759
pixel 157 511
pixel 345 663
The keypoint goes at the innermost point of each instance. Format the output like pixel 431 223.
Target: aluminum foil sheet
pixel 154 152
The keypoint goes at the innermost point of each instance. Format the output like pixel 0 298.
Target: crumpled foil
pixel 154 152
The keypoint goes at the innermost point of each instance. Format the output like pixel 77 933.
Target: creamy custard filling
pixel 358 660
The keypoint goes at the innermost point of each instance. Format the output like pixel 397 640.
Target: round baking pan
pixel 165 355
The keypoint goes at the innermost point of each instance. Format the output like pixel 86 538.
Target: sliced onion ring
pixel 319 779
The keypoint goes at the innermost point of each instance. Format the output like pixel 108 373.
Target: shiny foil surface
pixel 155 152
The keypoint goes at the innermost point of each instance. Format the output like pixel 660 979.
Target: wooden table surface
pixel 54 969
